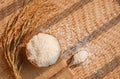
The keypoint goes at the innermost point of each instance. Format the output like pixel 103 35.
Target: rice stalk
pixel 11 40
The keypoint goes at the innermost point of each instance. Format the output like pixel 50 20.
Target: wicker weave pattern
pixel 82 23
pixel 71 23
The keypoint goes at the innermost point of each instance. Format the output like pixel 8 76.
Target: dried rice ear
pixel 43 50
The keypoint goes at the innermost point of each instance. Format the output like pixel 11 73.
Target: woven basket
pixel 95 23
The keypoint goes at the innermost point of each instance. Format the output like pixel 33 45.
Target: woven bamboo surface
pixel 94 22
